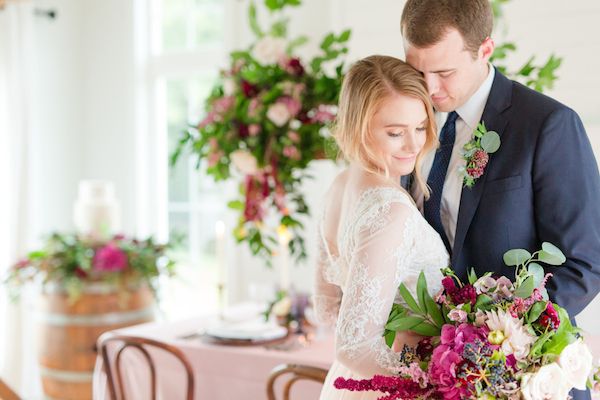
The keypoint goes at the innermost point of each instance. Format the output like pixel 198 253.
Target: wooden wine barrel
pixel 69 331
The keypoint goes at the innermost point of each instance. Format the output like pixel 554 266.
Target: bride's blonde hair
pixel 368 82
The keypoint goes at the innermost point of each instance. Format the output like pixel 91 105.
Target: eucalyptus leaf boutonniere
pixel 477 153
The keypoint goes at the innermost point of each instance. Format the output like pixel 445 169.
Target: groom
pixel 542 185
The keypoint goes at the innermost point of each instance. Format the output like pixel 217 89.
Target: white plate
pixel 251 330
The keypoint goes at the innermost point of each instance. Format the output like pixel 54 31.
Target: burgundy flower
pixel 424 348
pixel 243 130
pixel 110 258
pixel 249 89
pixel 80 273
pixel 480 158
pixel 294 67
pixel 475 172
pixel 550 319
pixel 464 295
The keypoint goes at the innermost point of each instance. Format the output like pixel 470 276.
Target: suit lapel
pixel 498 101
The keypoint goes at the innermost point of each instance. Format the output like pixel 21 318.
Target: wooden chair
pixel 140 344
pixel 297 373
pixel 6 393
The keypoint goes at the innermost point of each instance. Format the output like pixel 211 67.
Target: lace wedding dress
pixel 381 240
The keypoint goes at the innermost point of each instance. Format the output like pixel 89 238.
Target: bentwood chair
pixel 140 344
pixel 293 373
pixel 6 393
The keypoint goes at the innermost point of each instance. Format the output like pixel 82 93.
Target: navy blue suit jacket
pixel 542 185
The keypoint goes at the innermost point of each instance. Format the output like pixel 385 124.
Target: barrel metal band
pixel 111 318
pixel 66 376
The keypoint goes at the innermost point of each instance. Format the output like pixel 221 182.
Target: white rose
pixel 576 362
pixel 269 50
pixel 282 307
pixel 279 114
pixel 548 382
pixel 244 161
pixel 228 87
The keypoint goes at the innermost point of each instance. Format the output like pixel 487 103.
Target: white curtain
pixel 16 35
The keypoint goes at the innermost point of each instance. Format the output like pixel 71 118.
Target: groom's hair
pixel 425 22
pixel 367 84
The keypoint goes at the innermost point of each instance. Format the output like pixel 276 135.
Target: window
pixel 187 47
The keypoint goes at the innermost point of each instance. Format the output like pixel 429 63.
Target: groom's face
pixel 452 73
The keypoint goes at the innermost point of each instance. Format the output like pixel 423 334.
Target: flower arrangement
pixel 266 120
pixel 72 261
pixel 288 309
pixel 491 338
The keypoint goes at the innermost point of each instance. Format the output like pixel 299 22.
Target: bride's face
pixel 399 131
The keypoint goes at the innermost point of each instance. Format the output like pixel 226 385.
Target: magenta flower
pixel 449 285
pixel 110 258
pixel 550 317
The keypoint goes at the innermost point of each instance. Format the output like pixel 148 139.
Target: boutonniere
pixel 477 153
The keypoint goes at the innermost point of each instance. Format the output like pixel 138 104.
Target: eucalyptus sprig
pixel 529 274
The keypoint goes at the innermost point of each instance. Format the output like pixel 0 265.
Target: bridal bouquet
pixel 490 338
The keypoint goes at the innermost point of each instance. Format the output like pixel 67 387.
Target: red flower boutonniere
pixel 477 153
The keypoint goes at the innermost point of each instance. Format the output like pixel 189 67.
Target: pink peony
pixel 110 258
pixel 457 336
pixel 443 369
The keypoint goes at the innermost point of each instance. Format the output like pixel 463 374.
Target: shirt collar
pixel 472 110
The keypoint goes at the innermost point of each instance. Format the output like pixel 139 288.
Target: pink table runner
pixel 221 372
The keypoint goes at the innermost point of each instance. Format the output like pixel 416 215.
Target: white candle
pixel 220 250
pixel 284 257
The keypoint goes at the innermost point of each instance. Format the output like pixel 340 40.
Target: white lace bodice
pixel 383 241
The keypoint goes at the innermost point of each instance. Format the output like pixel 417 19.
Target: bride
pixel 372 235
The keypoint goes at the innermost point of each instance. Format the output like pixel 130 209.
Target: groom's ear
pixel 486 49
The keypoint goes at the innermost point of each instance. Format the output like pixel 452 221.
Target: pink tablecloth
pixel 221 372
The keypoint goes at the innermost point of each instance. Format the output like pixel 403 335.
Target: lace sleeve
pixel 381 247
pixel 327 296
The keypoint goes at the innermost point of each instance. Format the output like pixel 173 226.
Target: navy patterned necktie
pixel 437 176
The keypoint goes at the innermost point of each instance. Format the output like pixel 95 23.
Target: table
pixel 220 372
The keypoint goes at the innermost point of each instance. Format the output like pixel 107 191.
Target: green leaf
pixel 327 41
pixel 472 276
pixel 526 288
pixel 484 302
pixel 252 20
pixel 236 205
pixel 344 36
pixel 537 272
pixel 403 323
pixel 433 310
pixel 516 257
pixel 422 291
pixel 390 336
pixel 409 299
pixel 294 44
pixel 535 311
pixel 426 329
pixel 551 254
pixel 536 349
pixel 490 142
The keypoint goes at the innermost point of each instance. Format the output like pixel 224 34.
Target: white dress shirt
pixel 469 116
